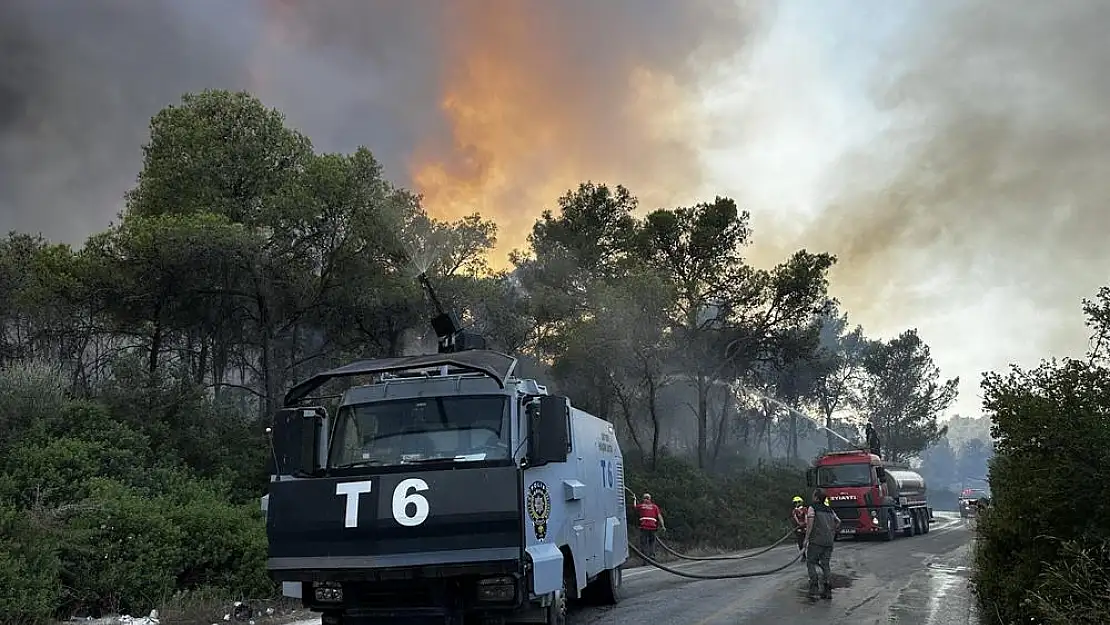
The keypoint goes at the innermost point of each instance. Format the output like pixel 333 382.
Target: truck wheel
pixel 911 527
pixel 915 516
pixel 926 523
pixel 608 591
pixel 557 610
pixel 891 524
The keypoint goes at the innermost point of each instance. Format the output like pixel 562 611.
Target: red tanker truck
pixel 872 498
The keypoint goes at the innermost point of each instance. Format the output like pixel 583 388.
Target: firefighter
pixel 821 527
pixel 651 521
pixel 873 440
pixel 798 517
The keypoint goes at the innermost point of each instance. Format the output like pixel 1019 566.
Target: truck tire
pixel 607 589
pixel 911 528
pixel 928 522
pixel 915 516
pixel 891 524
pixel 557 610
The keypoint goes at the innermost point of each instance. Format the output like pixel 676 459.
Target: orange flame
pixel 526 127
pixel 531 113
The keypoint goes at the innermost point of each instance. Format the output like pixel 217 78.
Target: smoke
pixel 494 106
pixel 990 177
pixel 79 82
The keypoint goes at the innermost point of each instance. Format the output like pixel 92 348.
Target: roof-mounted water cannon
pixel 449 331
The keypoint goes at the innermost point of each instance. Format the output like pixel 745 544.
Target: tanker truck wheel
pixel 891 524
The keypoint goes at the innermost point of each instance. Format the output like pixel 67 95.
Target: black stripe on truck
pixel 472 513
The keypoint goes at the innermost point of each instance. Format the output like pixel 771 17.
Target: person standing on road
pixel 873 440
pixel 821 527
pixel 651 521
pixel 798 517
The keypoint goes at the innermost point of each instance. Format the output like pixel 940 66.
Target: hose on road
pixel 674 571
pixel 681 556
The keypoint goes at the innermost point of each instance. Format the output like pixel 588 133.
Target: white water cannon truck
pixel 443 490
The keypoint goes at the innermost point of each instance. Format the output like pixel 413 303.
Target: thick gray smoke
pixel 78 84
pixel 80 80
pixel 993 175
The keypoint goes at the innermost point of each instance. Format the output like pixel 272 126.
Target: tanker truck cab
pixel 870 497
pixel 444 490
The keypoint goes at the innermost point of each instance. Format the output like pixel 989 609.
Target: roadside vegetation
pixel 1043 554
pixel 138 371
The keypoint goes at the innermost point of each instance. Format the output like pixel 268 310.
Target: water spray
pixel 814 420
pixel 795 411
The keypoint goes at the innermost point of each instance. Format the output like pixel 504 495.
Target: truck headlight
pixel 497 589
pixel 328 592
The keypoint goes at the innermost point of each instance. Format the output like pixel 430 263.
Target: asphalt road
pixel 920 580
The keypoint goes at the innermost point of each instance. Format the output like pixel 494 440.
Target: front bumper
pixel 353 596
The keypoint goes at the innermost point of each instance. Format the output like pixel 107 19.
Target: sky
pixel 950 152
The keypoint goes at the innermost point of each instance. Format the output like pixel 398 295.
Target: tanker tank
pixel 905 483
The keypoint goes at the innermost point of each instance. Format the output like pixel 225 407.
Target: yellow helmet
pixel 799 500
pixel 827 501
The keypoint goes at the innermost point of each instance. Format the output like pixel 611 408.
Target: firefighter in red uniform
pixel 798 517
pixel 651 521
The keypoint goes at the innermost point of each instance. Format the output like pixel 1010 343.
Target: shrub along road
pixel 920 580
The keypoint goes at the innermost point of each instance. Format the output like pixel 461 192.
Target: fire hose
pixel 680 556
pixel 674 571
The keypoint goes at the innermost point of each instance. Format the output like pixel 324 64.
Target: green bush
pixel 1052 447
pixel 746 508
pixel 1082 575
pixel 30 581
pixel 97 519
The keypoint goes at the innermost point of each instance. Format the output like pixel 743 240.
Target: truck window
pixel 404 431
pixel 857 474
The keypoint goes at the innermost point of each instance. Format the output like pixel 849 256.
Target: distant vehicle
pixel 872 498
pixel 446 489
pixel 968 499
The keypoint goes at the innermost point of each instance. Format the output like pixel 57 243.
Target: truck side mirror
pixel 811 478
pixel 880 473
pixel 549 431
pixel 295 440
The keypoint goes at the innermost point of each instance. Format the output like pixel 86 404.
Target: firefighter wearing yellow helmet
pixel 798 518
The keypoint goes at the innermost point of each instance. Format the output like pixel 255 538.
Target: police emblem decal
pixel 539 508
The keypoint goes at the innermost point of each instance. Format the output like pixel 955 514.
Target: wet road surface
pixel 921 580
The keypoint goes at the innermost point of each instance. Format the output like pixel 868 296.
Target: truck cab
pixel 870 497
pixel 444 489
pixel 969 501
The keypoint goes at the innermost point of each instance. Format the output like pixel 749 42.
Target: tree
pixel 218 152
pixel 903 395
pixel 838 366
pixel 722 301
pixel 938 464
pixel 574 256
pixel 972 461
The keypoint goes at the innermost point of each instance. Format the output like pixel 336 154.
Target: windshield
pixel 407 431
pixel 844 475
